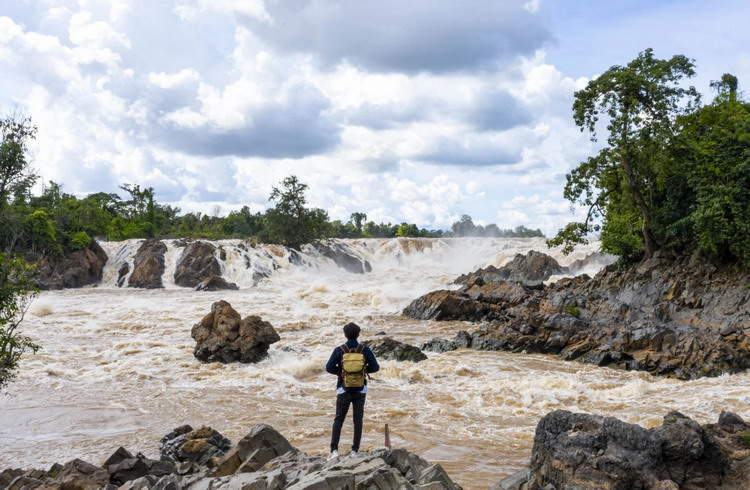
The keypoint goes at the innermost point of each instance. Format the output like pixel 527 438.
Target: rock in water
pixel 74 270
pixel 531 269
pixel 197 263
pixel 222 336
pixel 681 317
pixel 582 451
pixel 343 257
pixel 215 283
pixel 148 265
pixel 387 348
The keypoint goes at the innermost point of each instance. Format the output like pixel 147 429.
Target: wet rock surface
pixel 215 283
pixel 678 317
pixel 262 460
pixel 148 265
pixel 74 270
pixel 343 257
pixel 583 451
pixel 223 336
pixel 531 269
pixel 196 264
pixel 390 349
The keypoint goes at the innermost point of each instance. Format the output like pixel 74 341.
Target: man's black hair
pixel 351 331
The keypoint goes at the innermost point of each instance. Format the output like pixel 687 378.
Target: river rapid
pixel 117 367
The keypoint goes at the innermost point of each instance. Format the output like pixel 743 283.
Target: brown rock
pixel 197 263
pixel 74 270
pixel 222 337
pixel 148 265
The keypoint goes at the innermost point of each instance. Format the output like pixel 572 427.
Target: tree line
pixel 672 174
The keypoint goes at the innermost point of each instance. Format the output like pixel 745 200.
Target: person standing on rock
pixel 351 363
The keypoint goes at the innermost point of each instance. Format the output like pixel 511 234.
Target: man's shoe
pixel 354 453
pixel 333 455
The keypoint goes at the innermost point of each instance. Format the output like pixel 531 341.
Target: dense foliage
pixel 673 174
pixel 16 292
pixel 466 227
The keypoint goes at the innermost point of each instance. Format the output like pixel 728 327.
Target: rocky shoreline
pixel 571 451
pixel 671 316
pixel 203 459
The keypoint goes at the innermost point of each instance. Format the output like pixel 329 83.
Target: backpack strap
pixel 344 348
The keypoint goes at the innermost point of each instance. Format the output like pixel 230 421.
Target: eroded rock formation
pixel 223 336
pixel 73 270
pixel 148 265
pixel 390 349
pixel 676 317
pixel 197 263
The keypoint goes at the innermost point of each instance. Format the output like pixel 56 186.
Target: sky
pixel 416 111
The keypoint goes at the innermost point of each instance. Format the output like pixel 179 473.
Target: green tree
pixel 358 219
pixel 16 293
pixel 711 178
pixel 289 222
pixel 16 133
pixel 640 103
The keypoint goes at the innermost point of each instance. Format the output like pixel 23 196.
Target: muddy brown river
pixel 117 367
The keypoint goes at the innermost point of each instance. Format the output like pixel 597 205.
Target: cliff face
pixel 73 270
pixel 678 317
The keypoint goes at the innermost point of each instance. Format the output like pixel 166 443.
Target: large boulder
pixel 148 265
pixel 531 269
pixel 223 336
pixel 73 270
pixel 197 263
pixel 390 349
pixel 343 257
pixel 582 451
pixel 215 283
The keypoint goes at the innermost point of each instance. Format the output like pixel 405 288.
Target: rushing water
pixel 117 366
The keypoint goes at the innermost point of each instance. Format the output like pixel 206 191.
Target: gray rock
pixel 257 448
pixel 670 317
pixel 531 269
pixel 215 283
pixel 390 349
pixel 343 257
pixel 573 450
pixel 335 480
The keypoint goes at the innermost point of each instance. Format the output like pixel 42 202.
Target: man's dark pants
pixel 343 400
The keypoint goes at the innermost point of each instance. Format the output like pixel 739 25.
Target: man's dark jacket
pixel 334 363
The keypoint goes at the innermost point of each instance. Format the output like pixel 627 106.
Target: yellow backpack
pixel 353 366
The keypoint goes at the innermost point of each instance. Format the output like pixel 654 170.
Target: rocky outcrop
pixel 262 460
pixel 148 265
pixel 73 270
pixel 595 261
pixel 587 452
pixel 531 269
pixel 191 449
pixel 343 257
pixel 681 317
pixel 215 283
pixel 390 349
pixel 123 467
pixel 223 336
pixel 197 263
